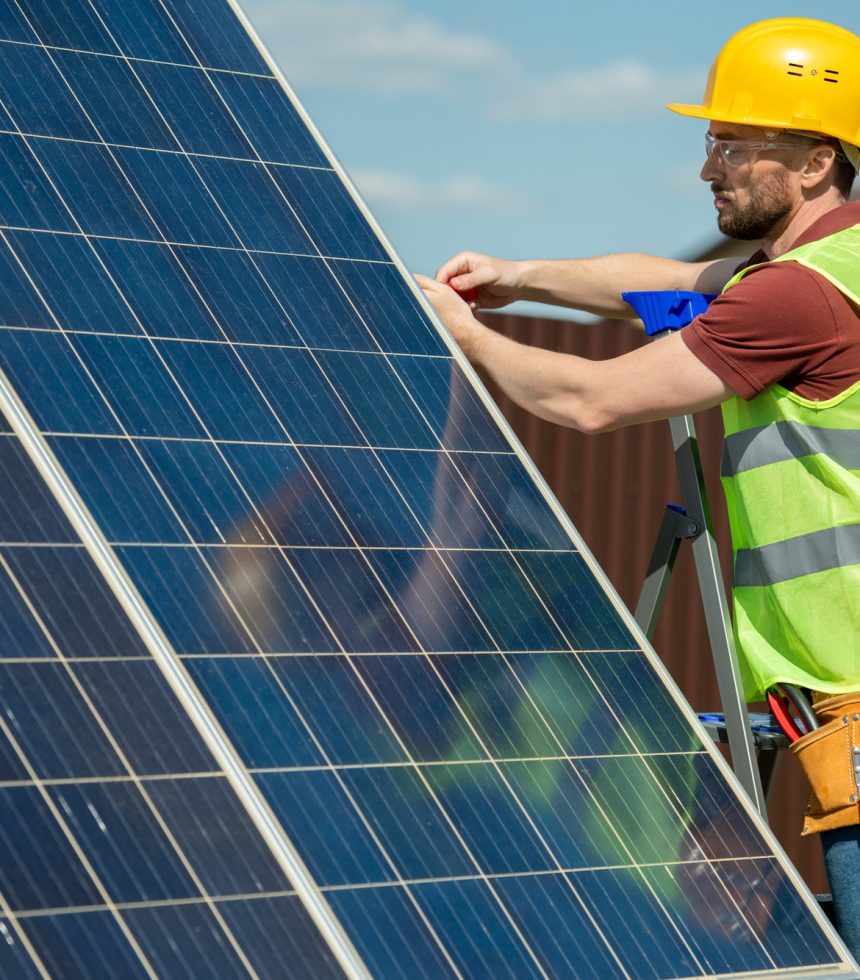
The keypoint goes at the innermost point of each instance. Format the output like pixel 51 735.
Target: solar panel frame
pixel 159 646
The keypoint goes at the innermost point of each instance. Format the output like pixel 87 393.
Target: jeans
pixel 842 861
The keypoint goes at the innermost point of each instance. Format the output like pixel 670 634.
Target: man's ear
pixel 819 164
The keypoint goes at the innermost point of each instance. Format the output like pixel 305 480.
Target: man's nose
pixel 712 167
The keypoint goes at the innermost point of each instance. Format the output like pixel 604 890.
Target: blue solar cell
pixel 278 931
pixel 581 608
pixel 450 404
pixel 180 205
pixel 14 25
pixel 212 829
pixel 90 183
pixel 135 379
pixel 295 386
pixel 390 930
pixel 411 697
pixel 360 489
pixel 40 869
pixel 787 935
pixel 477 931
pixel 279 483
pixel 115 100
pixel 507 602
pixel 12 768
pixel 15 961
pixel 27 199
pixel 76 292
pixel 85 946
pixel 52 723
pixel 248 698
pixel 388 308
pixel 306 290
pixel 144 717
pixel 337 699
pixel 380 404
pixel 31 514
pixel 128 850
pixel 227 600
pixel 413 820
pixel 356 608
pixel 331 217
pixel 216 381
pixel 237 294
pixel 19 301
pixel 217 40
pixel 66 24
pixel 119 492
pixel 37 98
pixel 151 290
pixel 268 119
pixel 252 201
pixel 186 941
pixel 63 397
pixel 144 31
pixel 550 914
pixel 337 844
pixel 53 579
pixel 20 634
pixel 505 493
pixel 192 108
pixel 425 588
pixel 490 819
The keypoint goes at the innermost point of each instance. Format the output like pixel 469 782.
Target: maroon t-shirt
pixel 783 324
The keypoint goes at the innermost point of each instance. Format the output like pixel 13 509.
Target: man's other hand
pixel 455 313
pixel 495 281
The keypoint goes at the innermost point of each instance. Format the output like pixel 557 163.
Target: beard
pixel 768 203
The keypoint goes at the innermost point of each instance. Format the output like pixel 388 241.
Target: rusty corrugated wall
pixel 615 487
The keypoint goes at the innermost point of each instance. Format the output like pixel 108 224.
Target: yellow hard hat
pixel 786 73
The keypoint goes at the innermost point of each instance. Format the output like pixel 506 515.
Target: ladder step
pixel 767 735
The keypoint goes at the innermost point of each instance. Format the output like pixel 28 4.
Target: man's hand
pixel 455 313
pixel 495 281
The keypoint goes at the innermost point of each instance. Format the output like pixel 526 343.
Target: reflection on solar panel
pixel 301 671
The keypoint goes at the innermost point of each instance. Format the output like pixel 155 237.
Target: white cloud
pixel 371 46
pixel 457 192
pixel 620 90
pixel 381 48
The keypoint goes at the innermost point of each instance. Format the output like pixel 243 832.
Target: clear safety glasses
pixel 735 153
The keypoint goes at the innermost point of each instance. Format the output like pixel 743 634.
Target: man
pixel 779 349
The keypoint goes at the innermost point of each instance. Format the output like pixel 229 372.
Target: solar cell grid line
pixel 438 551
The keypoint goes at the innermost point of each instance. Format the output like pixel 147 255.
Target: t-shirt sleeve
pixel 774 326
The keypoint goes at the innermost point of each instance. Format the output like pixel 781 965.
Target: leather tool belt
pixel 830 758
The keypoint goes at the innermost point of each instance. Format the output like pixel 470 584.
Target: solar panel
pixel 303 671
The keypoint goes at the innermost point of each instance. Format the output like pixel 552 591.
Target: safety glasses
pixel 735 153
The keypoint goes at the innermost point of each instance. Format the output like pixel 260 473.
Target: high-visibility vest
pixel 791 473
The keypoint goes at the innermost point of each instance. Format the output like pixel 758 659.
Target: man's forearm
pixel 595 284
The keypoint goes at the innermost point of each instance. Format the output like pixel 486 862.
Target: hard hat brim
pixel 697 111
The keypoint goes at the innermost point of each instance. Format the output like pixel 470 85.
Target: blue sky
pixel 524 129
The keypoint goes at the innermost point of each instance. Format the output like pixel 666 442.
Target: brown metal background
pixel 615 487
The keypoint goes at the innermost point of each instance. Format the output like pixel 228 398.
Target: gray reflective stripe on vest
pixel 834 547
pixel 785 440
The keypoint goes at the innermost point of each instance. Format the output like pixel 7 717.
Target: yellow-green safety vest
pixel 791 473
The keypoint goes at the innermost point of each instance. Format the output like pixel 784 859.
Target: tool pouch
pixel 830 758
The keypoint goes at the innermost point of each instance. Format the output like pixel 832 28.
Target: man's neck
pixel 786 233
